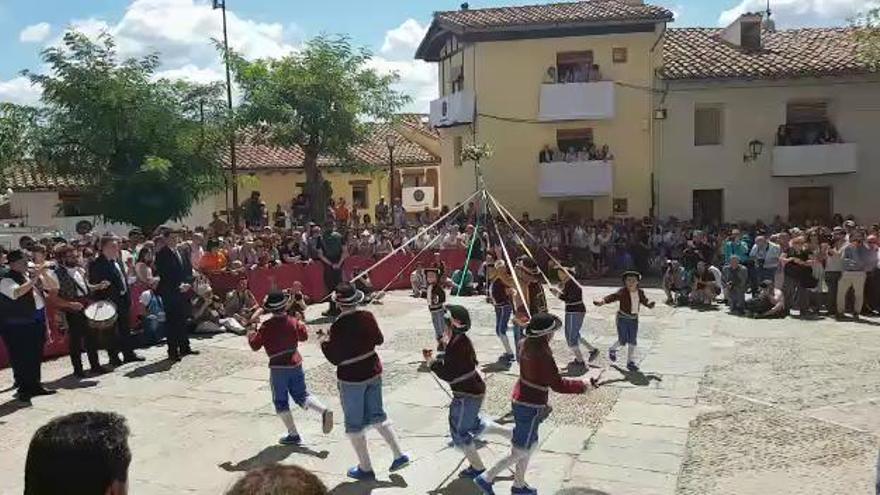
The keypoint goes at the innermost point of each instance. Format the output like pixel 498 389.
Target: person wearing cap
pixel 533 299
pixel 538 375
pixel 436 296
pixel 280 336
pixel 23 320
pixel 570 292
pixel 350 345
pixel 458 367
pixel 501 291
pixel 630 299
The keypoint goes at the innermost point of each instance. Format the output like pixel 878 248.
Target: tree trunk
pixel 314 186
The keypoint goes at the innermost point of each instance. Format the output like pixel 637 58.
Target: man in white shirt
pixel 23 313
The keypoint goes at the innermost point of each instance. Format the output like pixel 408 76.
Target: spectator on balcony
pixel 550 77
pixel 594 73
pixel 546 154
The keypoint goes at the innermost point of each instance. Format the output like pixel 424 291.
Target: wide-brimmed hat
pixel 276 301
pixel 457 317
pixel 542 324
pixel 347 295
pixel 631 273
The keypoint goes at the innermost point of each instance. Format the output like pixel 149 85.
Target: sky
pixel 181 31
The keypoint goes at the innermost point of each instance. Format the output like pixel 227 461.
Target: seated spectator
pixel 241 303
pixel 214 260
pixel 769 303
pixel 299 301
pixel 278 479
pixel 152 317
pixel 365 285
pixel 289 252
pixel 675 284
pixel 209 314
pixel 736 280
pixel 463 282
pixel 418 282
pixel 703 286
pixel 84 453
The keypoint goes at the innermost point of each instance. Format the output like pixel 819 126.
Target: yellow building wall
pixel 507 78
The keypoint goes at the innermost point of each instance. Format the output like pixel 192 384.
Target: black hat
pixel 530 266
pixel 276 302
pixel 631 273
pixel 458 318
pixel 767 284
pixel 542 324
pixel 347 295
pixel 16 255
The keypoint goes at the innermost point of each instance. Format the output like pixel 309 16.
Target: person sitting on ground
pixel 703 286
pixel 209 313
pixel 241 303
pixel 675 283
pixel 769 303
pixel 736 280
pixel 463 282
pixel 418 282
pixel 278 479
pixel 299 301
pixel 365 285
pixel 84 453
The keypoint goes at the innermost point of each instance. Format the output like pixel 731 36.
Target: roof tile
pixel 555 13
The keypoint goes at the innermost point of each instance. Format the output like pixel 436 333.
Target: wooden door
pixel 809 203
pixel 708 206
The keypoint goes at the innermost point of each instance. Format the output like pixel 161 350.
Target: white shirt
pixel 636 302
pixel 9 286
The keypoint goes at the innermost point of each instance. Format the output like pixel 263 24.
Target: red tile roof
pixel 251 155
pixel 555 14
pixel 700 53
pixel 31 178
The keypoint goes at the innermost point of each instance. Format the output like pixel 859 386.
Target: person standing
pixel 351 345
pixel 854 259
pixel 736 278
pixel 23 314
pixel 630 299
pixel 501 291
pixel 108 271
pixel 381 212
pixel 173 288
pixel 436 301
pixel 765 254
pixel 834 267
pixel 332 252
pixel 571 294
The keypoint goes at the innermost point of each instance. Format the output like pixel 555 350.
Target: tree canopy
pixel 148 147
pixel 19 128
pixel 869 36
pixel 319 99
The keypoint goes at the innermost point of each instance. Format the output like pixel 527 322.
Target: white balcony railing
pixel 819 159
pixel 577 101
pixel 575 179
pixel 453 109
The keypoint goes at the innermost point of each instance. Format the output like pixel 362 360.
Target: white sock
pixel 630 353
pixel 519 473
pixel 390 438
pixel 504 463
pixel 473 457
pixel 506 343
pixel 314 404
pixel 359 442
pixel 576 349
pixel 493 428
pixel 287 419
pixel 587 344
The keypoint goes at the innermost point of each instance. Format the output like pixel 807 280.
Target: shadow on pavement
pixel 12 406
pixel 272 455
pixel 150 369
pixel 71 382
pixel 636 378
pixel 499 366
pixel 576 490
pixel 367 487
pixel 458 486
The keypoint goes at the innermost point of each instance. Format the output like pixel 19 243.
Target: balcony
pixel 453 109
pixel 577 101
pixel 818 159
pixel 575 179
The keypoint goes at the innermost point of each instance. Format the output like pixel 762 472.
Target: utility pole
pixel 221 4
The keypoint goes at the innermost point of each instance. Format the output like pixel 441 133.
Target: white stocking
pixel 359 442
pixel 630 353
pixel 615 346
pixel 519 474
pixel 506 343
pixel 514 457
pixel 492 428
pixel 287 419
pixel 390 438
pixel 473 457
pixel 576 349
pixel 314 404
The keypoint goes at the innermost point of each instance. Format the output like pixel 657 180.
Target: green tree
pixel 142 143
pixel 869 36
pixel 319 99
pixel 19 131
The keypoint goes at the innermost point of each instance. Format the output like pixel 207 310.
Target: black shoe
pixel 99 370
pixel 79 373
pixel 174 357
pixel 115 362
pixel 593 355
pixel 189 352
pixel 23 397
pixel 43 391
pixel 133 358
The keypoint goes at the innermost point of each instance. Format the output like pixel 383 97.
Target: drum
pixel 102 317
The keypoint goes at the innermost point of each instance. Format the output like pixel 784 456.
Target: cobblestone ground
pixel 724 406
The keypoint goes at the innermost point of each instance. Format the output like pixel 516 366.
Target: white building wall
pixel 755 110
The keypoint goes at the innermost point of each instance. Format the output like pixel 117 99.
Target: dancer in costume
pixel 533 297
pixel 538 375
pixel 280 336
pixel 436 300
pixel 351 347
pixel 501 292
pixel 631 298
pixel 458 367
pixel 575 311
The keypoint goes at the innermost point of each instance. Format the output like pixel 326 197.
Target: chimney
pixel 465 6
pixel 745 32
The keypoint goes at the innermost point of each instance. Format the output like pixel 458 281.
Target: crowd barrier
pixel 311 275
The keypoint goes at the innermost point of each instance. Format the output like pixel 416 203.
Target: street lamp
pixel 391 142
pixel 756 147
pixel 221 4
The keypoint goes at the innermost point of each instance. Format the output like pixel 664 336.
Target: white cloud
pixel 35 33
pixel 19 90
pixel 801 13
pixel 418 79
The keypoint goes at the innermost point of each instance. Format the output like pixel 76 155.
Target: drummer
pixel 108 267
pixel 71 295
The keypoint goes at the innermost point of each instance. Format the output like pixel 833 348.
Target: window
pixel 75 205
pixel 359 195
pixel 707 125
pixel 568 140
pixel 456 78
pixel 456 150
pixel 806 123
pixel 573 67
pixel 620 206
pixel 619 55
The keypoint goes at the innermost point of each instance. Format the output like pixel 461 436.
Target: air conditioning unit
pixel 417 198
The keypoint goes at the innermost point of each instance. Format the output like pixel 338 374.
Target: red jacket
pixel 280 336
pixel 623 298
pixel 352 347
pixel 538 375
pixel 458 367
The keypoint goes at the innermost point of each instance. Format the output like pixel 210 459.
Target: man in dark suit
pixel 173 288
pixel 108 267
